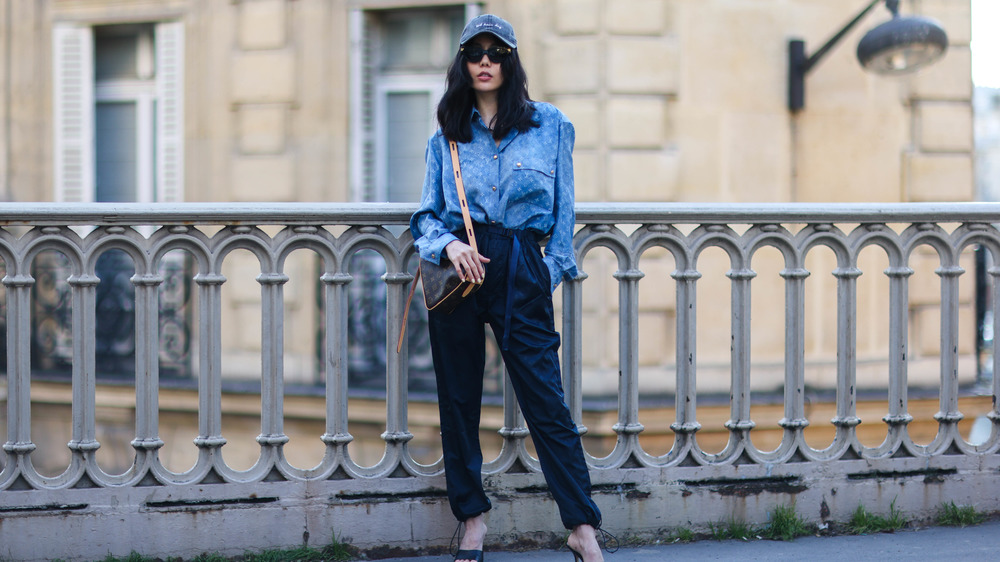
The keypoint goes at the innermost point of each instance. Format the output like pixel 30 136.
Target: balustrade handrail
pixel 57 214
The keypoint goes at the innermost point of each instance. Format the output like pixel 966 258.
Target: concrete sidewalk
pixel 968 544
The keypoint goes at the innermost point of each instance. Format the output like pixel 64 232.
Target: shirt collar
pixel 477 118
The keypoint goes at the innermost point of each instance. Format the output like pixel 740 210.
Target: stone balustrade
pixel 397 501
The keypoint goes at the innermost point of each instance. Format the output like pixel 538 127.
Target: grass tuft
pixel 741 530
pixel 683 535
pixel 959 516
pixel 734 529
pixel 785 525
pixel 864 522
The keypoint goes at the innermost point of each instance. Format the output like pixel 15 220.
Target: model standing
pixel 517 164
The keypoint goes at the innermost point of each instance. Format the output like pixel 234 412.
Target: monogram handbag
pixel 444 288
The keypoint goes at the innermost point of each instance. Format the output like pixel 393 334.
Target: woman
pixel 517 165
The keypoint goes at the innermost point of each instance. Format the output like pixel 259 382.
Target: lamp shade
pixel 902 44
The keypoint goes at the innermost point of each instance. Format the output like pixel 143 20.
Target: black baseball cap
pixel 494 25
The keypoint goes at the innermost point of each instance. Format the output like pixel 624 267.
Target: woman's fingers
pixel 462 257
pixel 468 263
pixel 473 269
pixel 481 269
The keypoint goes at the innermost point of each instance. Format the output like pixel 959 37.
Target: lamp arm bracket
pixel 821 52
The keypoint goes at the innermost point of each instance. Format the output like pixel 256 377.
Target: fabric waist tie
pixel 515 256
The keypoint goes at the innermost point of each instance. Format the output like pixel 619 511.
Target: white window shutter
pixel 73 104
pixel 360 144
pixel 369 152
pixel 169 112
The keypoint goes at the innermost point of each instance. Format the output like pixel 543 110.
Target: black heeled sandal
pixel 605 537
pixel 476 555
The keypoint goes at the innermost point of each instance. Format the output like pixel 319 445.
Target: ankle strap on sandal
pixel 605 538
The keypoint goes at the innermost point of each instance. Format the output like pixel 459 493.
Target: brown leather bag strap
pixel 406 311
pixel 462 201
pixel 469 232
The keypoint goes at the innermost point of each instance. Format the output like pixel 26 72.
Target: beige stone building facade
pixel 673 100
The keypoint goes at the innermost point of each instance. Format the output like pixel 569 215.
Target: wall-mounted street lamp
pixel 900 45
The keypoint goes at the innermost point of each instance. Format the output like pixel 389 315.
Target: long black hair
pixel 514 109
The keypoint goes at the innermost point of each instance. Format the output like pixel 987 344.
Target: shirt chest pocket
pixel 533 181
pixel 536 165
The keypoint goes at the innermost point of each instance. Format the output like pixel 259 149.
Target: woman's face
pixel 486 74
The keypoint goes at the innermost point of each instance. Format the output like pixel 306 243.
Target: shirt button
pixel 553 172
pixel 495 157
pixel 493 222
pixel 518 164
pixel 494 188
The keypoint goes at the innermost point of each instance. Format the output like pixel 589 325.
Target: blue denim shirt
pixel 526 183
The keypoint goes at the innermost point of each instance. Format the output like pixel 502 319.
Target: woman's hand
pixel 467 262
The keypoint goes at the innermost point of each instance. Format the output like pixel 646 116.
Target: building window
pixel 118 112
pixel 124 101
pixel 399 66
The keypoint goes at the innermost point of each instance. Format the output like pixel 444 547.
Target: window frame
pixel 143 94
pixel 432 86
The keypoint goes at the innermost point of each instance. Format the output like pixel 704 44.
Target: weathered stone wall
pixel 411 515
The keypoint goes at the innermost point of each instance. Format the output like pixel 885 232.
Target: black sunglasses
pixel 496 53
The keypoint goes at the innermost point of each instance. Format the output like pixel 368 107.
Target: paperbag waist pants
pixel 516 301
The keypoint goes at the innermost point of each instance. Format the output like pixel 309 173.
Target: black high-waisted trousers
pixel 516 300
